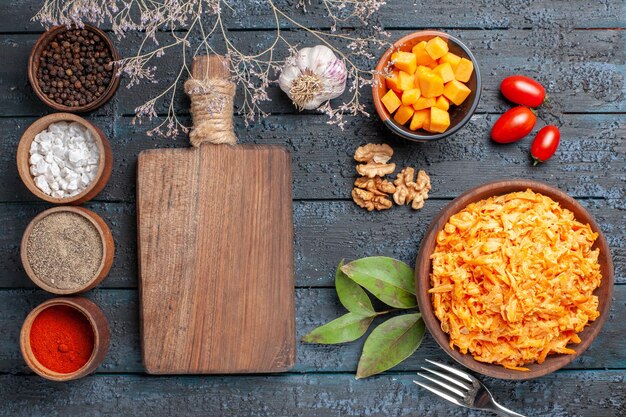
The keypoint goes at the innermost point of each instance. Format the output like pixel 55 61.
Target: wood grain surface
pixel 215 242
pixel 583 69
pixel 335 395
pixel 325 231
pixel 576 48
pixel 314 307
pixel 587 165
pixel 480 14
pixel 216 259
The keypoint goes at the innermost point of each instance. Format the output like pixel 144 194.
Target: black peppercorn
pixel 75 68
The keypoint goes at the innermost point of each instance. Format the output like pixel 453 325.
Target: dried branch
pixel 194 26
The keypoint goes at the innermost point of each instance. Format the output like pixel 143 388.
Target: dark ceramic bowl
pixel 423 268
pixel 459 115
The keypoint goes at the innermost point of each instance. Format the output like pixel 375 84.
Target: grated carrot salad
pixel 513 278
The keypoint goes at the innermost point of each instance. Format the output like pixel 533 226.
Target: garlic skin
pixel 313 76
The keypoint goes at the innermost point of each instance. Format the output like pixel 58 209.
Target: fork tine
pixel 443 385
pixel 463 375
pixel 439 393
pixel 447 378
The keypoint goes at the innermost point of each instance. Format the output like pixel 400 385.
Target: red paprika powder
pixel 62 339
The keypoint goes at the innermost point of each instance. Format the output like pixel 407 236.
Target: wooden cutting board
pixel 215 229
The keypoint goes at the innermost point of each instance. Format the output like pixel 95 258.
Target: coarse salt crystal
pixel 64 159
pixel 35 158
pixel 42 184
pixel 75 156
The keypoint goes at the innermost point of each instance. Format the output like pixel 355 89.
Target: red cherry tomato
pixel 545 144
pixel 513 125
pixel 523 90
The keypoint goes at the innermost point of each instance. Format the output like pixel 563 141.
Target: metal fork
pixel 462 389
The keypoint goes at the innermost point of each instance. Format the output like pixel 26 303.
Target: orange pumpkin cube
pixel 406 81
pixel 456 92
pixel 403 114
pixel 445 71
pixel 451 59
pixel 405 61
pixel 426 125
pixel 439 120
pixel 436 47
pixel 431 84
pixel 419 117
pixel 422 57
pixel 391 101
pixel 424 103
pixel 421 70
pixel 442 103
pixel 410 96
pixel 392 79
pixel 463 71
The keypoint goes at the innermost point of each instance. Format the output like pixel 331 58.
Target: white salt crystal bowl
pixel 105 162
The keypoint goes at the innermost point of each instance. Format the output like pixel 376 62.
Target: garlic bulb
pixel 313 76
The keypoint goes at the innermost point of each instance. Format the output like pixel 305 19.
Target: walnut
pixel 372 193
pixel 381 154
pixel 375 158
pixel 409 191
pixel 376 185
pixel 373 169
pixel 371 189
pixel 370 201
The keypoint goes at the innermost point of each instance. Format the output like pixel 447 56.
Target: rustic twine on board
pixel 211 111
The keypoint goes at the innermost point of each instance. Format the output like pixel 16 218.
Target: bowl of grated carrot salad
pixel 514 279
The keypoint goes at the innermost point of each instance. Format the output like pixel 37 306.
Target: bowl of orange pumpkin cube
pixel 427 86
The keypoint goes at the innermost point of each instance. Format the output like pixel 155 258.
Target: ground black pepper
pixel 65 250
pixel 75 68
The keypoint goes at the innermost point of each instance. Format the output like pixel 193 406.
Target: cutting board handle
pixel 211 93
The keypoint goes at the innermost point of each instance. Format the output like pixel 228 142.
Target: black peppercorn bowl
pixel 34 63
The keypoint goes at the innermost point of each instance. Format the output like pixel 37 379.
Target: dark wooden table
pixel 576 48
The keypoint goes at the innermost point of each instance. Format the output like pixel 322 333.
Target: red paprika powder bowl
pixel 65 338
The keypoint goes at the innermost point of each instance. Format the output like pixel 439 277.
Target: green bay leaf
pixel 346 328
pixel 389 280
pixel 390 343
pixel 351 295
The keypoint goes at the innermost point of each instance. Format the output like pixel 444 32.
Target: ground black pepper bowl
pixel 459 115
pixel 108 249
pixel 33 67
